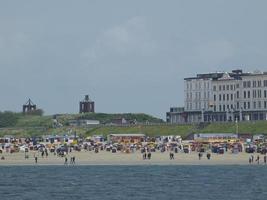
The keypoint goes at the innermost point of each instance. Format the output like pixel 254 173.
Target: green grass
pixel 34 121
pixel 149 130
pixel 27 125
pixel 259 127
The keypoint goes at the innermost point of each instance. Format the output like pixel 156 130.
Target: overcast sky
pixel 129 56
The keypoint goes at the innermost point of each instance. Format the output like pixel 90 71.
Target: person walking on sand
pixel 66 161
pixel 258 159
pixel 73 160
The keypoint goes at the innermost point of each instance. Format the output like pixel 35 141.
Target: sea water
pixel 133 182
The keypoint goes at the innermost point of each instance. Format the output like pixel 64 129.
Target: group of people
pixel 257 160
pixel 200 154
pixel 72 160
pixel 147 155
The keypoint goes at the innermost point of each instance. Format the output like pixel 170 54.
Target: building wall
pixel 197 94
pixel 227 98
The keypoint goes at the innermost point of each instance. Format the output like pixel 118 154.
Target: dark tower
pixel 87 106
pixel 29 106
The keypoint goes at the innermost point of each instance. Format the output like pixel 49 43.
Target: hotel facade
pixel 222 96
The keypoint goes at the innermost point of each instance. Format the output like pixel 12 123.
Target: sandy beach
pixel 119 158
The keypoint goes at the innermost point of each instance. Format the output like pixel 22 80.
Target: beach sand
pixel 119 158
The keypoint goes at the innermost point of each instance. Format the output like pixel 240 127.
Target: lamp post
pixel 236 125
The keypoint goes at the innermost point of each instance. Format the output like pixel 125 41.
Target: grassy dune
pixel 37 125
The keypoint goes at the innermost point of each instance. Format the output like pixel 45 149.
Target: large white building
pixel 222 96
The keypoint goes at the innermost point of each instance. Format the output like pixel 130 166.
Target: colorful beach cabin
pixel 126 138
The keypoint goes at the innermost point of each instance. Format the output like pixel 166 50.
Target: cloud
pixel 214 52
pixel 14 47
pixel 129 38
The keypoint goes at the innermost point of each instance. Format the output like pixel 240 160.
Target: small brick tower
pixel 28 107
pixel 87 105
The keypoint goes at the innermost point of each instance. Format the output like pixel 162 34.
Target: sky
pixel 129 56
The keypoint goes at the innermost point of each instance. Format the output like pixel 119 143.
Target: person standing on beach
pixel 252 158
pixel 208 156
pixel 149 155
pixel 35 159
pixel 46 152
pixel 70 160
pixel 145 155
pixel 199 155
pixel 265 159
pixel 171 156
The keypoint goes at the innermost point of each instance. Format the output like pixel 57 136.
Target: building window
pixel 220 87
pixel 227 87
pixel 254 105
pixel 220 97
pixel 214 97
pixel 248 84
pixel 245 94
pixel 254 94
pixel 227 96
pixel 265 93
pixel 248 94
pixel 248 105
pixel 220 108
pixel 254 84
pixel 265 104
pixel 224 97
pixel 245 105
pixel 259 93
pixel 231 87
pixel 237 94
pixel 265 83
pixel 224 108
pixel 237 105
pixel 223 87
pixel 259 104
pixel 244 84
pixel 237 85
pixel 232 97
pixel 259 83
pixel 214 88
